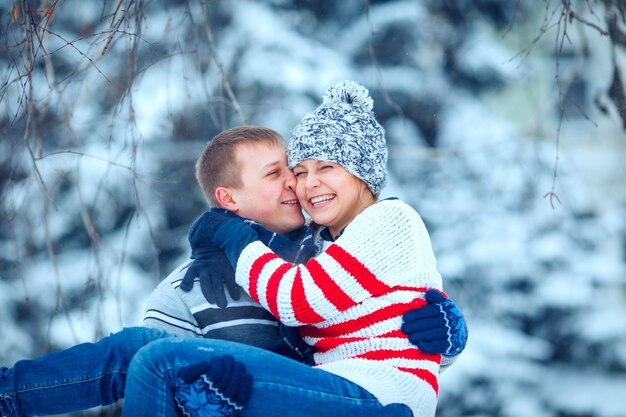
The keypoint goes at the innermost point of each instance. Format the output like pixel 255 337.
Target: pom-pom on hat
pixel 344 130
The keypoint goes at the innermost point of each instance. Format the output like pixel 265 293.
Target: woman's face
pixel 330 194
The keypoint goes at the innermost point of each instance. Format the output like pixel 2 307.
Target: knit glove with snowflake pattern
pixel 219 388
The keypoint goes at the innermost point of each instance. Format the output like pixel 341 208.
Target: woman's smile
pixel 319 200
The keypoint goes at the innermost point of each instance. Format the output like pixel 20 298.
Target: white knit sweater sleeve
pixel 385 246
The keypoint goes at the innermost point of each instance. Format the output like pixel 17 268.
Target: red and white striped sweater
pixel 350 299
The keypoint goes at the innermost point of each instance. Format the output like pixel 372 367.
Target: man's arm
pixel 189 314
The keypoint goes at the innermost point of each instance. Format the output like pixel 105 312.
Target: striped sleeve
pixel 385 246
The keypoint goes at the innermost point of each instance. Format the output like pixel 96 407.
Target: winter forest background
pixel 506 122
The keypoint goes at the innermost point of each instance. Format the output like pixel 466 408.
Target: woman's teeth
pixel 321 198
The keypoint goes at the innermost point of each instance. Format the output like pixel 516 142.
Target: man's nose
pixel 290 181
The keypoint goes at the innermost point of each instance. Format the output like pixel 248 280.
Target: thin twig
pixel 220 66
pixel 132 170
pixel 374 58
pixel 115 24
pixel 577 17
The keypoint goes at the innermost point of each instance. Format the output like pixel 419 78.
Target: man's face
pixel 267 193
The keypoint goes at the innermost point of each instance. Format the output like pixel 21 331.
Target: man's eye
pixel 297 174
pixel 325 167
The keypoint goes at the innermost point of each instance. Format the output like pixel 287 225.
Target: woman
pixel 376 265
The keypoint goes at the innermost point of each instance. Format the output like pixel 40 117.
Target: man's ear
pixel 226 199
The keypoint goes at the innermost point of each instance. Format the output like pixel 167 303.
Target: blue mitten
pixel 221 387
pixel 214 273
pixel 209 263
pixel 438 327
pixel 298 247
pixel 233 237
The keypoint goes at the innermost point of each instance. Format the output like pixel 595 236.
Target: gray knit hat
pixel 343 130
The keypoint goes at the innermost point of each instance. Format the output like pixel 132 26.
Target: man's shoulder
pixel 167 308
pixel 169 298
pixel 170 283
pixel 177 275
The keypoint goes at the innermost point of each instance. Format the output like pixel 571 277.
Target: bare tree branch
pixel 120 13
pixel 220 65
pixel 374 59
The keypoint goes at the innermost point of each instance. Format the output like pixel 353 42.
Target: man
pixel 243 170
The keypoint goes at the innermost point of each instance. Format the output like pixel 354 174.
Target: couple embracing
pixel 357 291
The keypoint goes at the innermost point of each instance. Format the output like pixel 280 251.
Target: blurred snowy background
pixel 506 126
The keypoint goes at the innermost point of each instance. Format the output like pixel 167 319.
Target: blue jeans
pixel 84 376
pixel 281 387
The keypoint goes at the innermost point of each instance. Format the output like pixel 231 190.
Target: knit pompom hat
pixel 343 129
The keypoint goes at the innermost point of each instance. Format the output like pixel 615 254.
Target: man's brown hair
pixel 217 165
